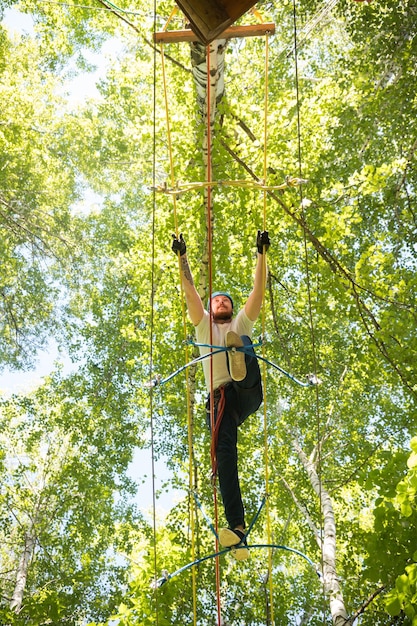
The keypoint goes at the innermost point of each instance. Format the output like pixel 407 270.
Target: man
pixel 234 379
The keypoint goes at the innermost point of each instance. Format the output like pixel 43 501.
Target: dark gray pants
pixel 241 400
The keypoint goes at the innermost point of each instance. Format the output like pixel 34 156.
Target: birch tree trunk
pixel 208 71
pixel 22 571
pixel 328 546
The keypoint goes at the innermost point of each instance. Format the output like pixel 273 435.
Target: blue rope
pixel 190 342
pixel 164 579
pixel 312 380
pixel 168 576
pixel 257 514
pixel 206 517
pixel 156 382
pixel 210 524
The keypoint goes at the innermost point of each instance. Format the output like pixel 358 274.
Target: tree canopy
pixel 86 219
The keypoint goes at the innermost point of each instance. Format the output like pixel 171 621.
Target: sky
pixel 81 88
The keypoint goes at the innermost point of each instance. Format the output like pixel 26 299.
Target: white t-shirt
pixel 241 325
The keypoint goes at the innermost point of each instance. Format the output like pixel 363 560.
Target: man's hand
pixel 262 241
pixel 178 245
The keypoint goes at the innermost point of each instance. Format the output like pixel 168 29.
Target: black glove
pixel 178 245
pixel 262 241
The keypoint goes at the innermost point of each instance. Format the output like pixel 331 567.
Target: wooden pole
pixel 253 30
pixel 210 18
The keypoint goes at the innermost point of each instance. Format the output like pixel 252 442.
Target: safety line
pixel 206 517
pixel 157 381
pixel 311 322
pixel 151 335
pixel 184 324
pixel 111 8
pixel 263 359
pixel 181 188
pixel 210 277
pixel 164 579
pixel 210 525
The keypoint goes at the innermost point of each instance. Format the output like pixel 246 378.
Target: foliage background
pixel 103 284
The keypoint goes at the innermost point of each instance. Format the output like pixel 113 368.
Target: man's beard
pixel 222 316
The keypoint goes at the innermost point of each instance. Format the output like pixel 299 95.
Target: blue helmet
pixel 219 293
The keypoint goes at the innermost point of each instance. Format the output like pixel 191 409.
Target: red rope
pixel 209 245
pixel 215 431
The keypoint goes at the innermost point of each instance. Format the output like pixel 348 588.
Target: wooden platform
pixel 210 18
pixel 254 30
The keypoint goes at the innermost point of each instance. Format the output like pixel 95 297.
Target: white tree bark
pixel 208 72
pixel 22 572
pixel 330 580
pixel 216 51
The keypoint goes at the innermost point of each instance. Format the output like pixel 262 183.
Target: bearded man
pixel 233 382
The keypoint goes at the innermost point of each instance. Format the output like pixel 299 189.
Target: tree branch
pixel 366 603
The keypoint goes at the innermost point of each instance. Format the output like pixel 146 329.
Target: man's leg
pixel 249 389
pixel 230 487
pixel 235 357
pixel 226 454
pixel 253 373
pixel 242 365
pixel 241 400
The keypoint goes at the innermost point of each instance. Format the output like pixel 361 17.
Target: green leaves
pixel 341 296
pixel 35 197
pixel 407 488
pixel 59 486
pixel 404 597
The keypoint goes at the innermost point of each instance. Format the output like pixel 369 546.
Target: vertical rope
pixel 265 163
pixel 210 280
pixel 264 377
pixel 151 331
pixel 308 282
pixel 184 323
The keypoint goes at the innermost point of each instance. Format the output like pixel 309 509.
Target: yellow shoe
pixel 241 553
pixel 236 358
pixel 236 540
pixel 228 537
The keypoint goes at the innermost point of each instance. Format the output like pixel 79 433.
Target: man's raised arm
pixel 194 303
pixel 254 302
